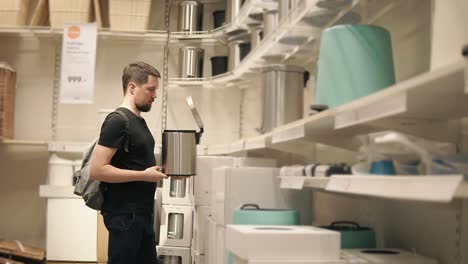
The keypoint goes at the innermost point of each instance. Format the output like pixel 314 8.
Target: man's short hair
pixel 138 72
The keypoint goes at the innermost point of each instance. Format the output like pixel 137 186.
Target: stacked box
pixel 13 12
pixel 7 101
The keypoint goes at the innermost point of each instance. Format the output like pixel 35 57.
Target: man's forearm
pixel 109 173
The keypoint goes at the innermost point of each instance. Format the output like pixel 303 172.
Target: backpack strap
pixel 127 128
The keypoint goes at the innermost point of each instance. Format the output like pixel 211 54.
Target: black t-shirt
pixel 134 196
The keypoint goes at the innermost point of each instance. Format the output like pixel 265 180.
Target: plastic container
pixel 219 65
pixel 66 11
pixel 60 171
pixel 355 61
pixel 219 17
pixel 13 12
pixel 130 15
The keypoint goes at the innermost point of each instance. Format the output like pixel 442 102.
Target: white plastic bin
pixel 60 171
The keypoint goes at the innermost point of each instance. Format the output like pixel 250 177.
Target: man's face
pixel 146 93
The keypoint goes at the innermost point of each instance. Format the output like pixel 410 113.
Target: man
pixel 129 175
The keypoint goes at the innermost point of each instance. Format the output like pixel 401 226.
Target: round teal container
pixel 354 61
pixel 252 214
pixel 353 235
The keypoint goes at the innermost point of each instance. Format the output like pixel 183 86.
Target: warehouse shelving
pixel 417 106
pixel 151 35
pixel 427 188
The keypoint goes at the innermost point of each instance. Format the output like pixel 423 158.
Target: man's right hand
pixel 154 174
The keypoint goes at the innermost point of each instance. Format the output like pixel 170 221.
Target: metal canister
pixel 179 148
pixel 177 188
pixel 255 34
pixel 270 21
pixel 191 62
pixel 175 228
pixel 283 92
pixel 232 10
pixel 190 16
pixel 171 259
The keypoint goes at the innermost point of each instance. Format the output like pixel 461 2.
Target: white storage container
pixel 257 242
pixel 60 171
pixel 202 181
pixel 234 187
pixel 129 15
pixel 13 12
pixel 200 229
pixel 71 230
pixel 66 11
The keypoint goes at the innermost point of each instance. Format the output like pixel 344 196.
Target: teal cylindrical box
pixel 354 61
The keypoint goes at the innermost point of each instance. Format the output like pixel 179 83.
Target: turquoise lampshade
pixel 354 61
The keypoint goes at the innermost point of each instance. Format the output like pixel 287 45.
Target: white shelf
pixel 68 147
pixel 227 79
pixel 437 188
pixel 258 143
pixel 299 182
pixel 25 31
pixel 433 188
pixel 53 191
pixel 417 106
pixel 196 36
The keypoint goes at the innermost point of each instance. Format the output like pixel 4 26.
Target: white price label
pixel 78 63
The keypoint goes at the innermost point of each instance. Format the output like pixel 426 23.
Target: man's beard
pixel 143 107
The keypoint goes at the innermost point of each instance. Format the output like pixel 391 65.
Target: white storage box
pixel 378 256
pixel 257 242
pixel 66 11
pixel 129 15
pixel 200 229
pixel 221 253
pixel 13 12
pixel 175 254
pixel 202 181
pixel 210 251
pixel 178 192
pixel 176 226
pixel 235 187
pixel 71 230
pixel 60 171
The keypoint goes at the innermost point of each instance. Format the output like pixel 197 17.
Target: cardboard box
pixel 170 233
pixel 102 240
pixel 7 100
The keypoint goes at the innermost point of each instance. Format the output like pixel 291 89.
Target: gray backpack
pixel 91 190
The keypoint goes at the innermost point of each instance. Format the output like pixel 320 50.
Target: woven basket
pixel 66 11
pixel 13 12
pixel 129 15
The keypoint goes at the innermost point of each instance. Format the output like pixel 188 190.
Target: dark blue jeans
pixel 131 238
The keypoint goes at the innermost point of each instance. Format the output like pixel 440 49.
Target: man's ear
pixel 131 87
